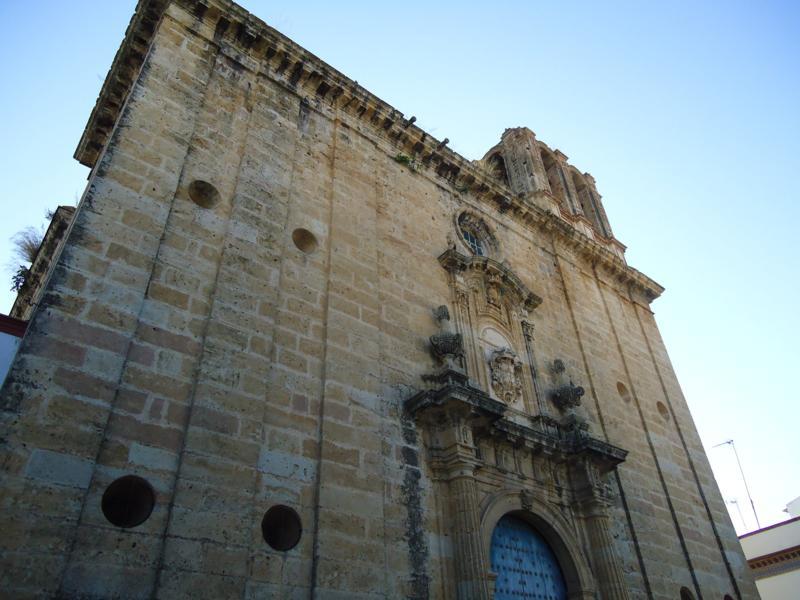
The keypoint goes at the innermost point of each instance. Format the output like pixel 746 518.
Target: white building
pixel 773 554
pixel 793 508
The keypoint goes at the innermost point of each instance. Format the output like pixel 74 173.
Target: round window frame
pixel 467 220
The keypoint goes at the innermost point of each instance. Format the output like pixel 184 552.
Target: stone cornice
pixel 123 72
pixel 575 218
pixel 276 56
pixel 471 396
pixel 541 434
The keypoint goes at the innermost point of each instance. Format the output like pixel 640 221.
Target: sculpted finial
pixel 441 313
pixel 446 345
pixel 566 395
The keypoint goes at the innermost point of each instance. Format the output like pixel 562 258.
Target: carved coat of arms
pixel 506 370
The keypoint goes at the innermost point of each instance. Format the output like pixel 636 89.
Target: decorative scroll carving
pixel 506 370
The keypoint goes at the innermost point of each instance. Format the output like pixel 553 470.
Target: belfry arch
pixel 589 204
pixel 555 179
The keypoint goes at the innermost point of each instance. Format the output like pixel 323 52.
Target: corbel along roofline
pixel 119 80
pixel 307 75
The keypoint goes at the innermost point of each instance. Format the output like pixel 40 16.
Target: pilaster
pixel 453 460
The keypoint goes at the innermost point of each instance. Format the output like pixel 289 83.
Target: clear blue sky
pixel 686 113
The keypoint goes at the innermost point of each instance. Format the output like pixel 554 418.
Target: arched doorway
pixel 525 565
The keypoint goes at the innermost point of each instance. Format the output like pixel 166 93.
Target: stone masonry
pixel 277 291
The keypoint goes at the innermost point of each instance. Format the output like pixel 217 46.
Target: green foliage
pixel 19 277
pixel 410 162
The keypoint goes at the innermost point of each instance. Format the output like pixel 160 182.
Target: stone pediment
pixel 509 285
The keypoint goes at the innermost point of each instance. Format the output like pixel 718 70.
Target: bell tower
pixel 545 178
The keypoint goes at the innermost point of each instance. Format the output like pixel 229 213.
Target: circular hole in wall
pixel 662 409
pixel 623 391
pixel 128 501
pixel 203 193
pixel 304 240
pixel 281 528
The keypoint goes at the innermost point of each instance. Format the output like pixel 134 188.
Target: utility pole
pixel 747 489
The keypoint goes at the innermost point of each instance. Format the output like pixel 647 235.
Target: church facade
pixel 296 347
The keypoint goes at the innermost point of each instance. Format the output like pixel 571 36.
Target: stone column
pixel 449 433
pixel 608 568
pixel 470 562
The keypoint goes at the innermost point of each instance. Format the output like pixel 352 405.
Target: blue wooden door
pixel 525 565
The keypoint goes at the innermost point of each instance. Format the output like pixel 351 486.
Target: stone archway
pixel 554 530
pixel 523 563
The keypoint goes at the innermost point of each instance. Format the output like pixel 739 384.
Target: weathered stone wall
pixel 201 349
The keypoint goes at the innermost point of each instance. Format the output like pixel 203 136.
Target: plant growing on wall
pixel 18 278
pixel 26 244
pixel 409 161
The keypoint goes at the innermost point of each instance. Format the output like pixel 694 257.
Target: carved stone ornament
pixel 447 346
pixel 526 499
pixel 603 492
pixel 568 396
pixel 510 288
pixel 493 283
pixel 506 370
